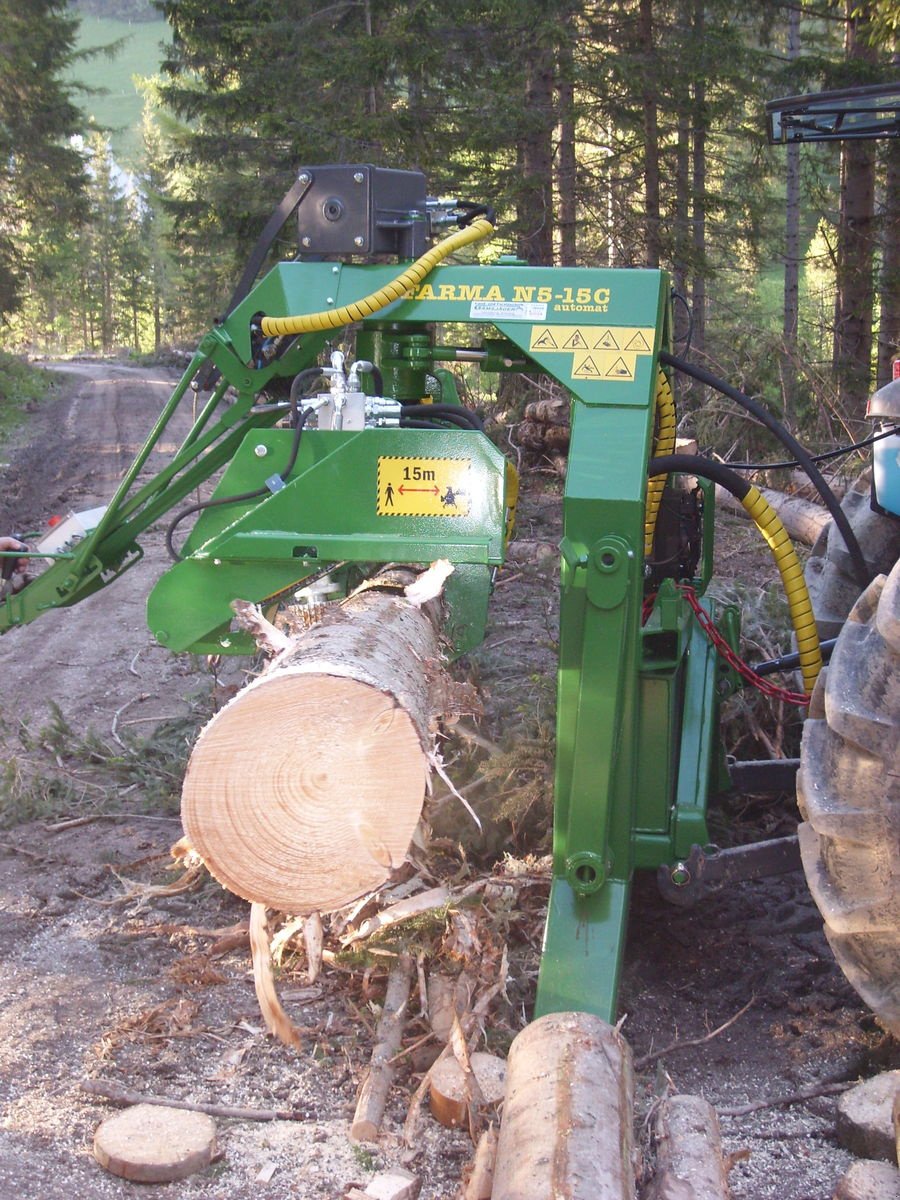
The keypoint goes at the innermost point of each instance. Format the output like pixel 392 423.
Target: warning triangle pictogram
pixel 639 343
pixel 575 342
pixel 619 370
pixel 587 368
pixel 605 341
pixel 545 342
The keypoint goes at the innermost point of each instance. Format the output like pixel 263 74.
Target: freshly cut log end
pixel 304 791
pixel 449 1097
pixel 150 1143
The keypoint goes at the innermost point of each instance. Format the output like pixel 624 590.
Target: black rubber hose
pixel 454 412
pixel 857 558
pixel 694 464
pixel 817 458
pixel 240 497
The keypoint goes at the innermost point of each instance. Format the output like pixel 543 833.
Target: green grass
pixel 119 106
pixel 21 386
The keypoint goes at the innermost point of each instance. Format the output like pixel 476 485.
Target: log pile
pixel 545 427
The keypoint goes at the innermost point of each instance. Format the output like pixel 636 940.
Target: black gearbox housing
pixel 363 210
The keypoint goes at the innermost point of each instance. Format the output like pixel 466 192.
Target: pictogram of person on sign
pixel 389 495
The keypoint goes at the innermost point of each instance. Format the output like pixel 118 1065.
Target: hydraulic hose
pixel 455 413
pixel 857 558
pixel 663 444
pixel 769 524
pixel 334 318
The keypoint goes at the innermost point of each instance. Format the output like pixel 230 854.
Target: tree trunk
pixel 566 1132
pixel 699 188
pixel 568 166
pixel 535 202
pixel 854 298
pixel 651 134
pixel 304 791
pixel 889 283
pixel 791 247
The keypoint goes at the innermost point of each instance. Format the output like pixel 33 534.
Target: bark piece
pixel 303 792
pixel 689 1152
pixel 373 1093
pixel 151 1144
pixel 566 1132
pixel 448 997
pixel 278 1023
pixel 869 1180
pixel 480 1183
pixel 865 1117
pixel 449 1096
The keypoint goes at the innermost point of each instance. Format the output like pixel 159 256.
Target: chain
pixel 745 671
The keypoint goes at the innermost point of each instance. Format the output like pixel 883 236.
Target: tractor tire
pixel 833 586
pixel 848 790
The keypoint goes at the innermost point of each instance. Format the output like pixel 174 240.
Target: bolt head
pixel 260 451
pixel 359 241
pixel 305 241
pixel 303 177
pixel 358 177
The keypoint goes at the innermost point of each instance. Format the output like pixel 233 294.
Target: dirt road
pixel 99 984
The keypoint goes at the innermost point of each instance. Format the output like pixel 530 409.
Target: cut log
pixel 689 1158
pixel 803 519
pixel 303 792
pixel 150 1144
pixel 566 1132
pixel 450 1089
pixel 373 1094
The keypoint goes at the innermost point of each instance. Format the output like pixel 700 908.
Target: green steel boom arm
pixel 637 697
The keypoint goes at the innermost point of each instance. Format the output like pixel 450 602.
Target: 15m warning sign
pixel 423 487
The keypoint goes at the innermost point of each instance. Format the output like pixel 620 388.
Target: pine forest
pixel 630 133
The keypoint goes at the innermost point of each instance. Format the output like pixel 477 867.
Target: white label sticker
pixel 494 310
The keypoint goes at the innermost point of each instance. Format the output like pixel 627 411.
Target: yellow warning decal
pixel 604 364
pixel 423 487
pixel 550 339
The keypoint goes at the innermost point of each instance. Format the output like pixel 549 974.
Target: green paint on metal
pixel 582 953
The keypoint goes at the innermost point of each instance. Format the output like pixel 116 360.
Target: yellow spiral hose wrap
pixel 769 524
pixel 334 318
pixel 663 444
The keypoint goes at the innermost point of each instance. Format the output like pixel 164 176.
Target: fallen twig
pixel 120 1095
pixel 373 1093
pixel 646 1059
pixel 807 1093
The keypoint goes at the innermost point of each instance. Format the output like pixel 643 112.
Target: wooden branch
pixel 373 1093
pixel 121 1095
pixel 646 1059
pixel 807 1093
